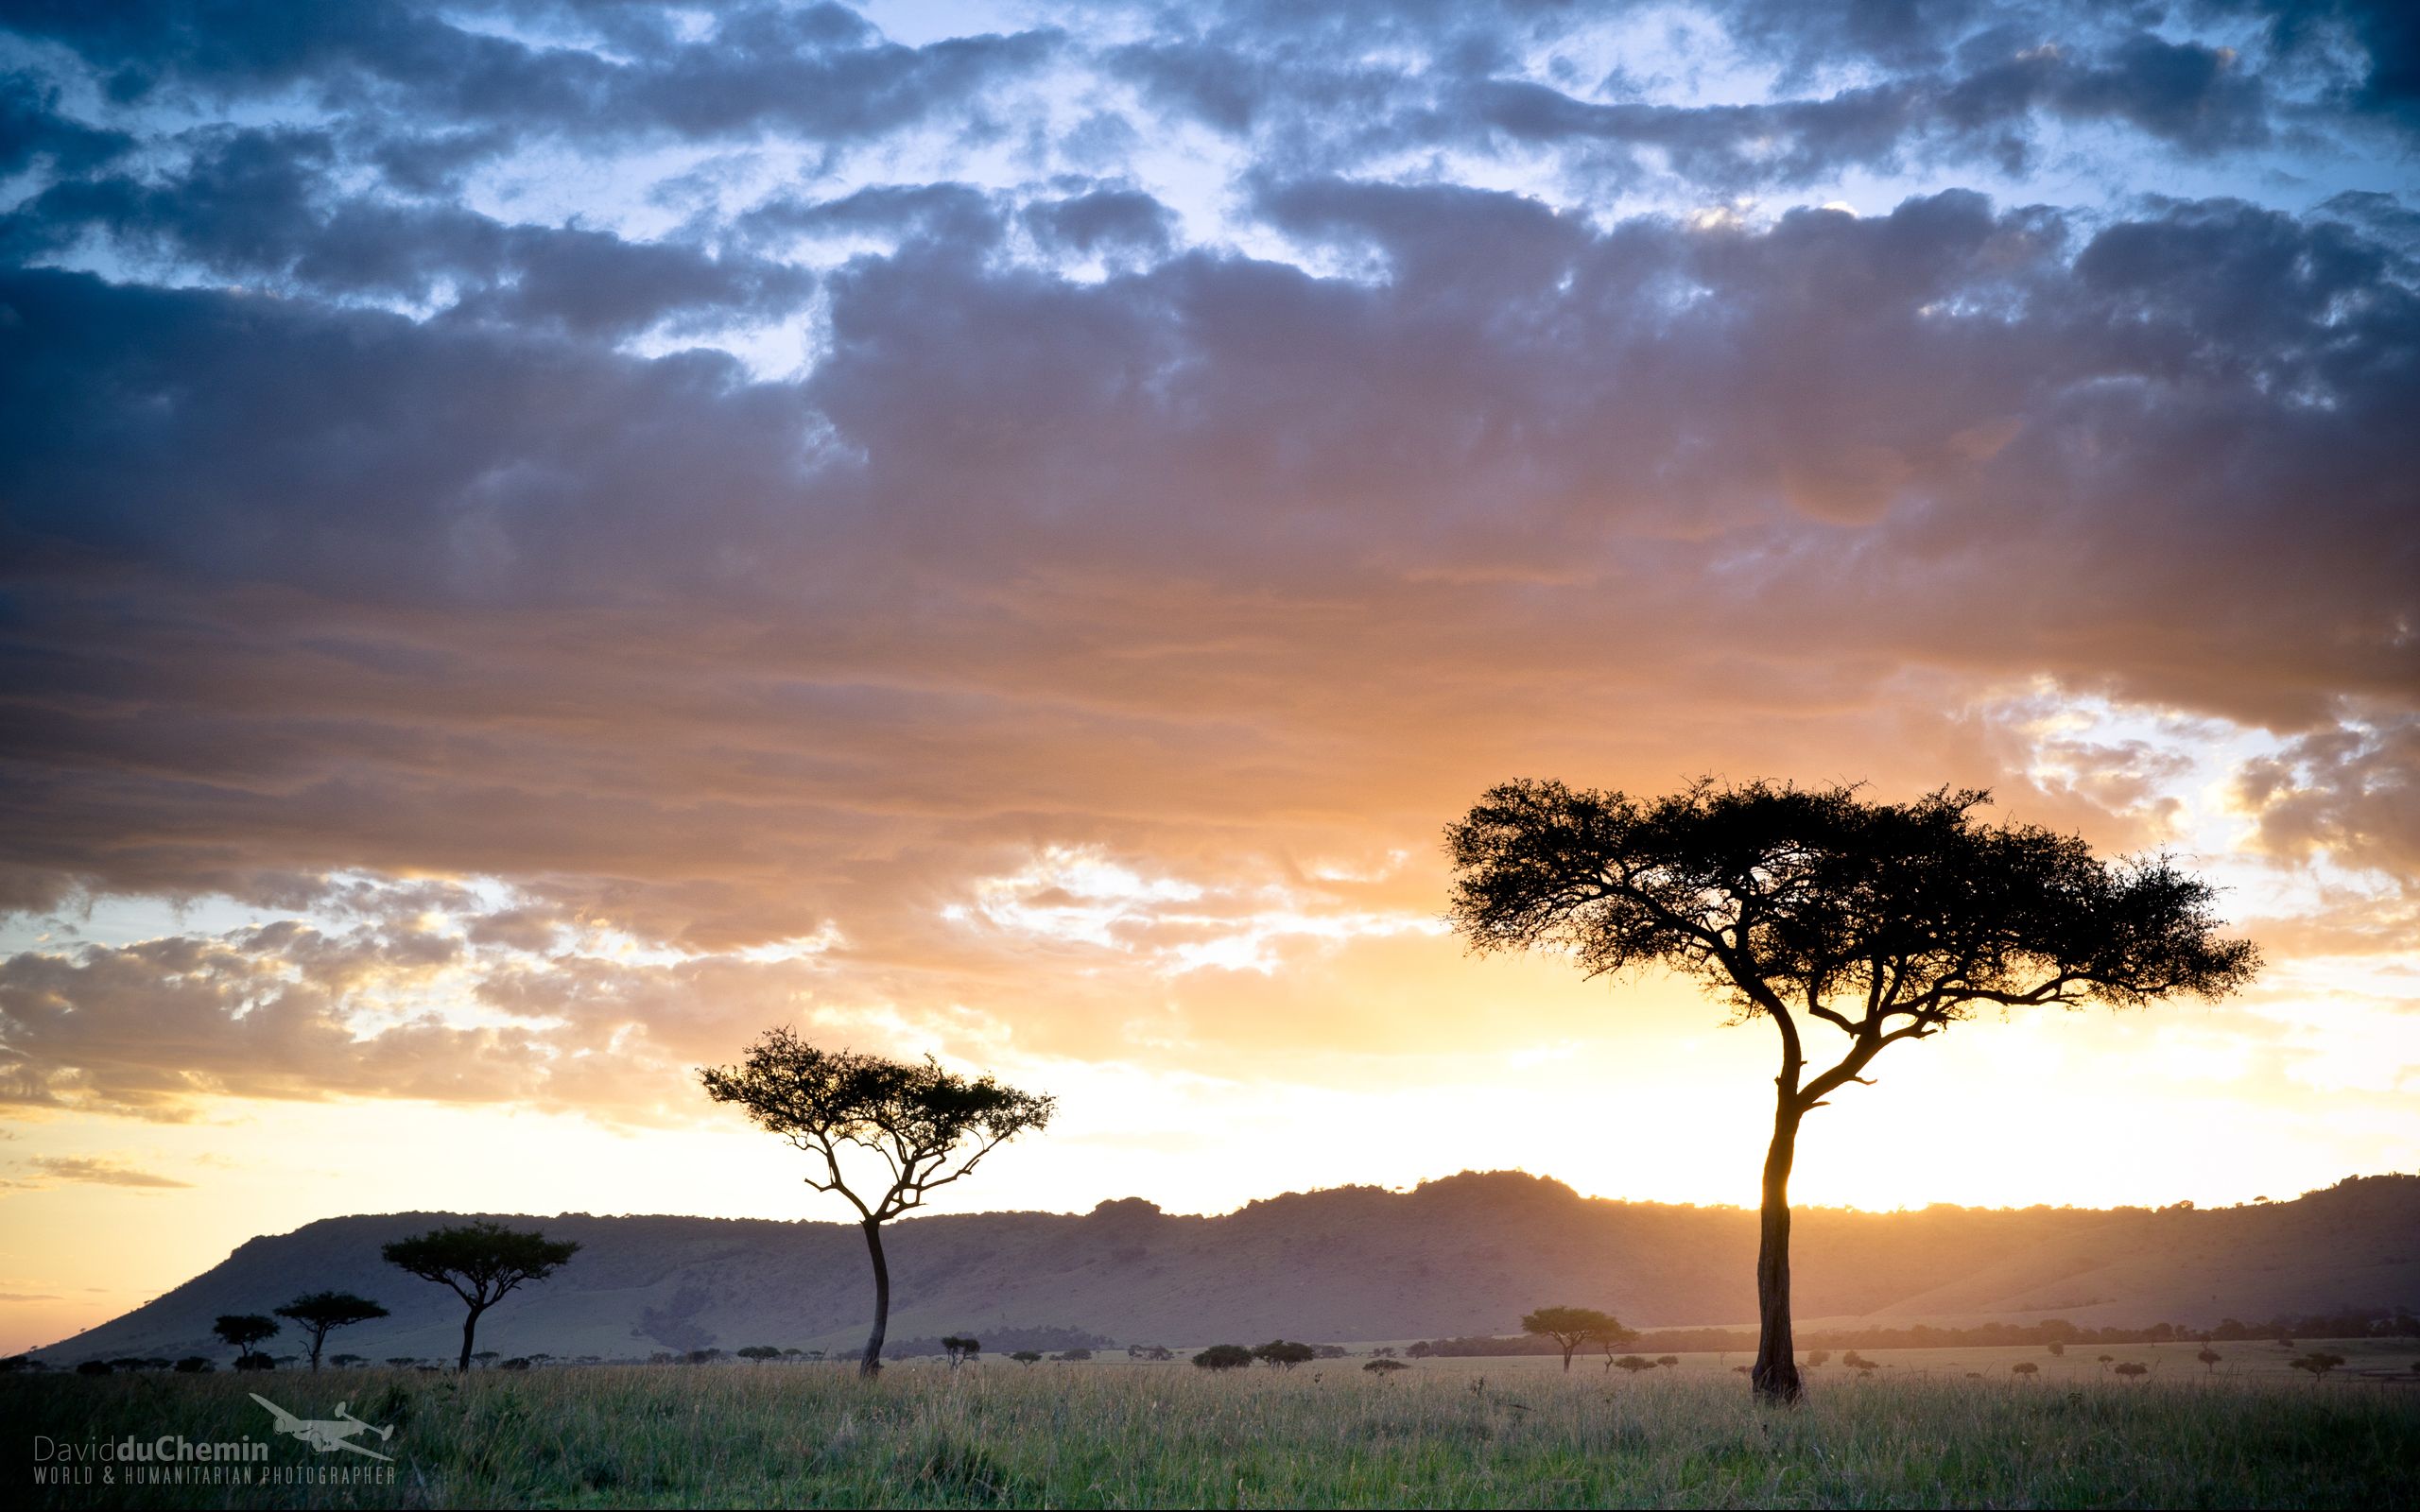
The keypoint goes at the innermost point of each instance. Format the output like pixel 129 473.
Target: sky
pixel 540 540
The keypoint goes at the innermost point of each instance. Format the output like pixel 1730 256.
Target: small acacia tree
pixel 1887 922
pixel 481 1263
pixel 241 1330
pixel 1571 1327
pixel 1223 1357
pixel 319 1312
pixel 1283 1355
pixel 960 1350
pixel 929 1126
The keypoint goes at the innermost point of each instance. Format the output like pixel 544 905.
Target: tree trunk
pixel 1775 1376
pixel 470 1326
pixel 872 1364
pixel 318 1339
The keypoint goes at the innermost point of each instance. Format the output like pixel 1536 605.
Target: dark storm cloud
pixel 1077 532
pixel 821 72
pixel 255 205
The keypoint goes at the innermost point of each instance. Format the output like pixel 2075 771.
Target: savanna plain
pixel 1920 1428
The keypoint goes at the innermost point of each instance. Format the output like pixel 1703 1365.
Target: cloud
pixel 97 1173
pixel 1211 446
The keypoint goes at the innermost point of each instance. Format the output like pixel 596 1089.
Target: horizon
pixel 1404 1191
pixel 539 542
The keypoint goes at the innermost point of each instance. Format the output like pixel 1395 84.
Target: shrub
pixel 1667 1360
pixel 1282 1354
pixel 1383 1367
pixel 254 1362
pixel 2132 1370
pixel 1028 1357
pixel 1816 1357
pixel 2056 1347
pixel 94 1368
pixel 516 1362
pixel 1633 1364
pixel 1223 1357
pixel 2025 1367
pixel 194 1365
pixel 1073 1354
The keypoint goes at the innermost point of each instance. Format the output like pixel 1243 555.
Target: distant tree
pixel 482 1263
pixel 346 1362
pixel 914 1116
pixel 401 1360
pixel 1384 1351
pixel 1282 1354
pixel 1420 1350
pixel 255 1361
pixel 1078 1354
pixel 2056 1347
pixel 1384 1368
pixel 318 1313
pixel 960 1350
pixel 241 1330
pixel 1667 1359
pixel 1888 921
pixel 703 1356
pixel 2132 1370
pixel 2103 1362
pixel 1150 1351
pixel 519 1362
pixel 1817 1357
pixel 194 1365
pixel 93 1367
pixel 1330 1351
pixel 2318 1363
pixel 759 1353
pixel 1633 1364
pixel 2209 1359
pixel 1860 1363
pixel 125 1363
pixel 1571 1327
pixel 16 1363
pixel 1028 1357
pixel 1223 1357
pixel 2025 1367
pixel 486 1357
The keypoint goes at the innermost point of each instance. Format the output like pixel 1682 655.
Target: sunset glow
pixel 1007 531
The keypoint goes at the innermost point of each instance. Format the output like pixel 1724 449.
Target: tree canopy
pixel 241 1330
pixel 317 1313
pixel 912 1114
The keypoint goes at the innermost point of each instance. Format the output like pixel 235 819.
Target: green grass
pixel 1461 1432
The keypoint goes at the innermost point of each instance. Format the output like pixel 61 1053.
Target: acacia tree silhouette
pixel 1571 1327
pixel 1888 921
pixel 481 1263
pixel 914 1115
pixel 241 1330
pixel 319 1312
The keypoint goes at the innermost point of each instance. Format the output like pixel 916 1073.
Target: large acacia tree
pixel 928 1126
pixel 1880 921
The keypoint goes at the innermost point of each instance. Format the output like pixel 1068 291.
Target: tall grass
pixel 1171 1435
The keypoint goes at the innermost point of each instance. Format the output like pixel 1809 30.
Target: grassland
pixel 1462 1433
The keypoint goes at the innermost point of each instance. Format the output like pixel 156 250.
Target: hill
pixel 1464 1255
